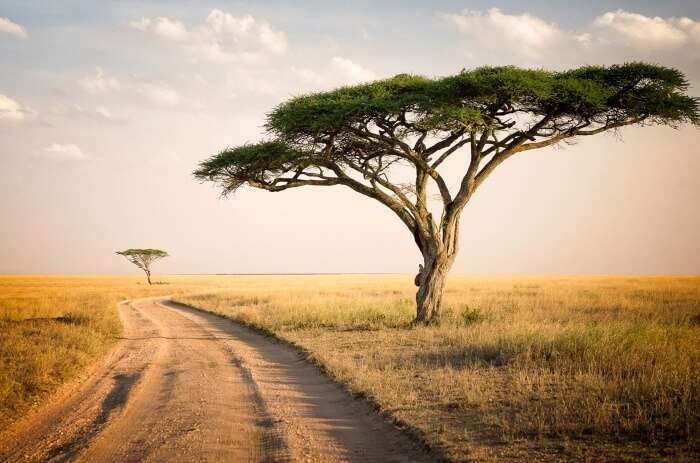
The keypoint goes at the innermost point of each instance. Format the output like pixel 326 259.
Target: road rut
pixel 185 385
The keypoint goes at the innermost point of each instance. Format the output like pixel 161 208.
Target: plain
pixel 548 367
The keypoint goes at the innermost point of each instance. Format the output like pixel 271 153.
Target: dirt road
pixel 183 385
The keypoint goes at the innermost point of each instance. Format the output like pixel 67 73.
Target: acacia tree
pixel 365 137
pixel 143 258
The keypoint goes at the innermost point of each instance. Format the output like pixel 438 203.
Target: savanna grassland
pixel 543 368
pixel 52 327
pixel 537 368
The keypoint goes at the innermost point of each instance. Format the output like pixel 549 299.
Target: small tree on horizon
pixel 143 258
pixel 366 137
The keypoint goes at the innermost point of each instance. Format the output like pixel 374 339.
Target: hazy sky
pixel 106 107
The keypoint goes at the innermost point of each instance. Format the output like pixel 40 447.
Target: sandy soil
pixel 183 385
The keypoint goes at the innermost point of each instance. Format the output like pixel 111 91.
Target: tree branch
pixel 509 150
pixel 519 145
pixel 402 198
pixel 343 179
pixel 444 143
pixel 448 152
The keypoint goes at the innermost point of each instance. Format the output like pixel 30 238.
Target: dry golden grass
pixel 52 327
pixel 543 368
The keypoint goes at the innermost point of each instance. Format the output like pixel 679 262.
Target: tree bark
pixel 431 282
pixel 148 277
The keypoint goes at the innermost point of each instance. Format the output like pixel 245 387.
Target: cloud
pixel 162 27
pixel 99 113
pixel 159 94
pixel 350 72
pixel 222 38
pixel 104 112
pixel 611 33
pixel 10 110
pixel 523 33
pixel 643 31
pixel 67 152
pixel 11 28
pixel 340 71
pixel 99 83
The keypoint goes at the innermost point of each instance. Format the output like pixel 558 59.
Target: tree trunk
pixel 431 282
pixel 148 277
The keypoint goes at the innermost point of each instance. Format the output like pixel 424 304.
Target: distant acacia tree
pixel 367 137
pixel 143 258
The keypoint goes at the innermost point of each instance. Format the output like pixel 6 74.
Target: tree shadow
pixel 113 401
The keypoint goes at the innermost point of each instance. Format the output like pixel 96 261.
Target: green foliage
pixel 328 112
pixel 634 89
pixel 316 129
pixel 245 162
pixel 640 90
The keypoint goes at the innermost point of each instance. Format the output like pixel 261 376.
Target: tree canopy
pixel 143 258
pixel 524 106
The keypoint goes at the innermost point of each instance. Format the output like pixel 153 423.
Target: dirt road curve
pixel 188 386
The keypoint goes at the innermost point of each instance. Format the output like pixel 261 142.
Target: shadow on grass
pixel 469 355
pixel 68 319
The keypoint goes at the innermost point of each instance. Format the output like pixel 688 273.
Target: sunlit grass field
pixel 538 368
pixel 544 368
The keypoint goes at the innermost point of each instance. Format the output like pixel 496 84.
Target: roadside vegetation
pixel 544 368
pixel 51 328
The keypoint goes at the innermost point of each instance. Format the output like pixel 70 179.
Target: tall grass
pixel 586 367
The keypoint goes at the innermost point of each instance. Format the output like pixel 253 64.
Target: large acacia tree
pixel 367 137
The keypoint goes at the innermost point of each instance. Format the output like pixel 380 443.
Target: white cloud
pixel 309 76
pixel 104 112
pixel 340 71
pixel 260 85
pixel 222 38
pixel 159 94
pixel 609 34
pixel 99 113
pixel 643 31
pixel 350 72
pixel 99 83
pixel 281 82
pixel 163 27
pixel 67 152
pixel 526 34
pixel 10 110
pixel 11 28
pixel 692 28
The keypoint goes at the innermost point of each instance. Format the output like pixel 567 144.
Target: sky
pixel 107 107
